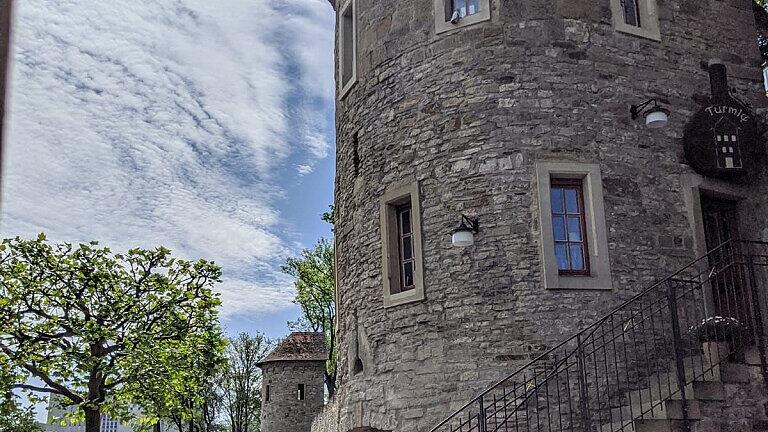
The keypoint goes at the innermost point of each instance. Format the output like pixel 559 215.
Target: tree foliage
pixel 316 295
pixel 106 331
pixel 14 418
pixel 240 383
pixel 761 19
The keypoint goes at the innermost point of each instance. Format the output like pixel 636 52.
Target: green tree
pixel 104 331
pixel 316 295
pixel 240 383
pixel 13 418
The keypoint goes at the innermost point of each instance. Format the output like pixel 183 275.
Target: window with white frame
pixel 453 14
pixel 574 239
pixel 347 46
pixel 402 270
pixel 636 17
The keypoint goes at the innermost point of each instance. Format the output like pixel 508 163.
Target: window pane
pixel 557 200
pixel 631 12
pixel 577 257
pixel 474 7
pixel 574 228
pixel 407 248
pixel 461 6
pixel 558 226
pixel 408 275
pixel 561 253
pixel 572 201
pixel 405 227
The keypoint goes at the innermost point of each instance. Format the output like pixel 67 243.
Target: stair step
pixel 667 410
pixel 738 373
pixel 659 426
pixel 752 356
pixel 703 391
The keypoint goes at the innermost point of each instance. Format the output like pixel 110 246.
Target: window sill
pixel 347 88
pixel 644 33
pixel 405 297
pixel 585 283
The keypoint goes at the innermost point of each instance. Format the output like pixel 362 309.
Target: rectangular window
pixel 347 47
pixel 636 17
pixel 631 12
pixel 464 8
pixel 454 14
pixel 266 395
pixel 401 246
pixel 301 392
pixel 573 235
pixel 569 226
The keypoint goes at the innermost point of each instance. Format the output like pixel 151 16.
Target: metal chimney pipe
pixel 718 79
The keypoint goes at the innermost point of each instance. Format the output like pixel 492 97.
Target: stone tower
pixel 293 383
pixel 516 114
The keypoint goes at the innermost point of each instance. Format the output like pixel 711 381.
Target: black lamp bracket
pixel 637 110
pixel 468 224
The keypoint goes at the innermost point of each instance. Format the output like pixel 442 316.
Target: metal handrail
pixel 584 336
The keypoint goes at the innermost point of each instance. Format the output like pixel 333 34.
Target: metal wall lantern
pixel 655 117
pixel 464 235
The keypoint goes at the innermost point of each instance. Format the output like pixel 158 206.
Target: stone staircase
pixel 722 395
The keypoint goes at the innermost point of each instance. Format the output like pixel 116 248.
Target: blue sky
pixel 203 126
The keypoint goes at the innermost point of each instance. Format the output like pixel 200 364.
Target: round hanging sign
pixel 722 140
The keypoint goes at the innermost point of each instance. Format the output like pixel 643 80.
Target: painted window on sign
pixel 569 226
pixel 405 236
pixel 631 12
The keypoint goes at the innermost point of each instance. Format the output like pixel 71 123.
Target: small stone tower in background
pixel 293 383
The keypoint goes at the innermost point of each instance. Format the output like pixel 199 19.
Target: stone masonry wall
pixel 468 114
pixel 284 412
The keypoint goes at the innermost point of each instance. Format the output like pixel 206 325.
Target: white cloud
pixel 164 122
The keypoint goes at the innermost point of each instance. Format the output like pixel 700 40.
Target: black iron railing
pixel 639 359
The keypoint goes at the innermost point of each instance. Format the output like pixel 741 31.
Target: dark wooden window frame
pixel 578 185
pixel 395 246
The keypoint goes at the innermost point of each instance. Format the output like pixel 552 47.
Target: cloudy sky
pixel 205 126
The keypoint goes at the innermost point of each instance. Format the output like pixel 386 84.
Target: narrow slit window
pixel 266 396
pixel 301 392
pixel 631 12
pixel 405 247
pixel 569 226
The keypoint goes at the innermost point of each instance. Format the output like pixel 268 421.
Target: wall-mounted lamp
pixel 464 235
pixel 655 117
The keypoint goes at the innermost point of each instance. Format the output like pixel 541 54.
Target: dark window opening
pixel 301 392
pixel 631 12
pixel 407 262
pixel 356 154
pixel 358 367
pixel 569 226
pixel 266 396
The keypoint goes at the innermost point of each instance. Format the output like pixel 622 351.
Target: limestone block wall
pixel 284 412
pixel 468 114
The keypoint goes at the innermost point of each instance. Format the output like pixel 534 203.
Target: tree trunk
pixel 92 420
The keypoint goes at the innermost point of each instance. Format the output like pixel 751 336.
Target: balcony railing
pixel 628 364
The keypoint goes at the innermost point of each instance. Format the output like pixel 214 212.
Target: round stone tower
pixel 516 114
pixel 293 383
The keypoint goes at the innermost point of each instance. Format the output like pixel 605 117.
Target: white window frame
pixel 649 19
pixel 597 235
pixel 443 26
pixel 351 7
pixel 389 235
